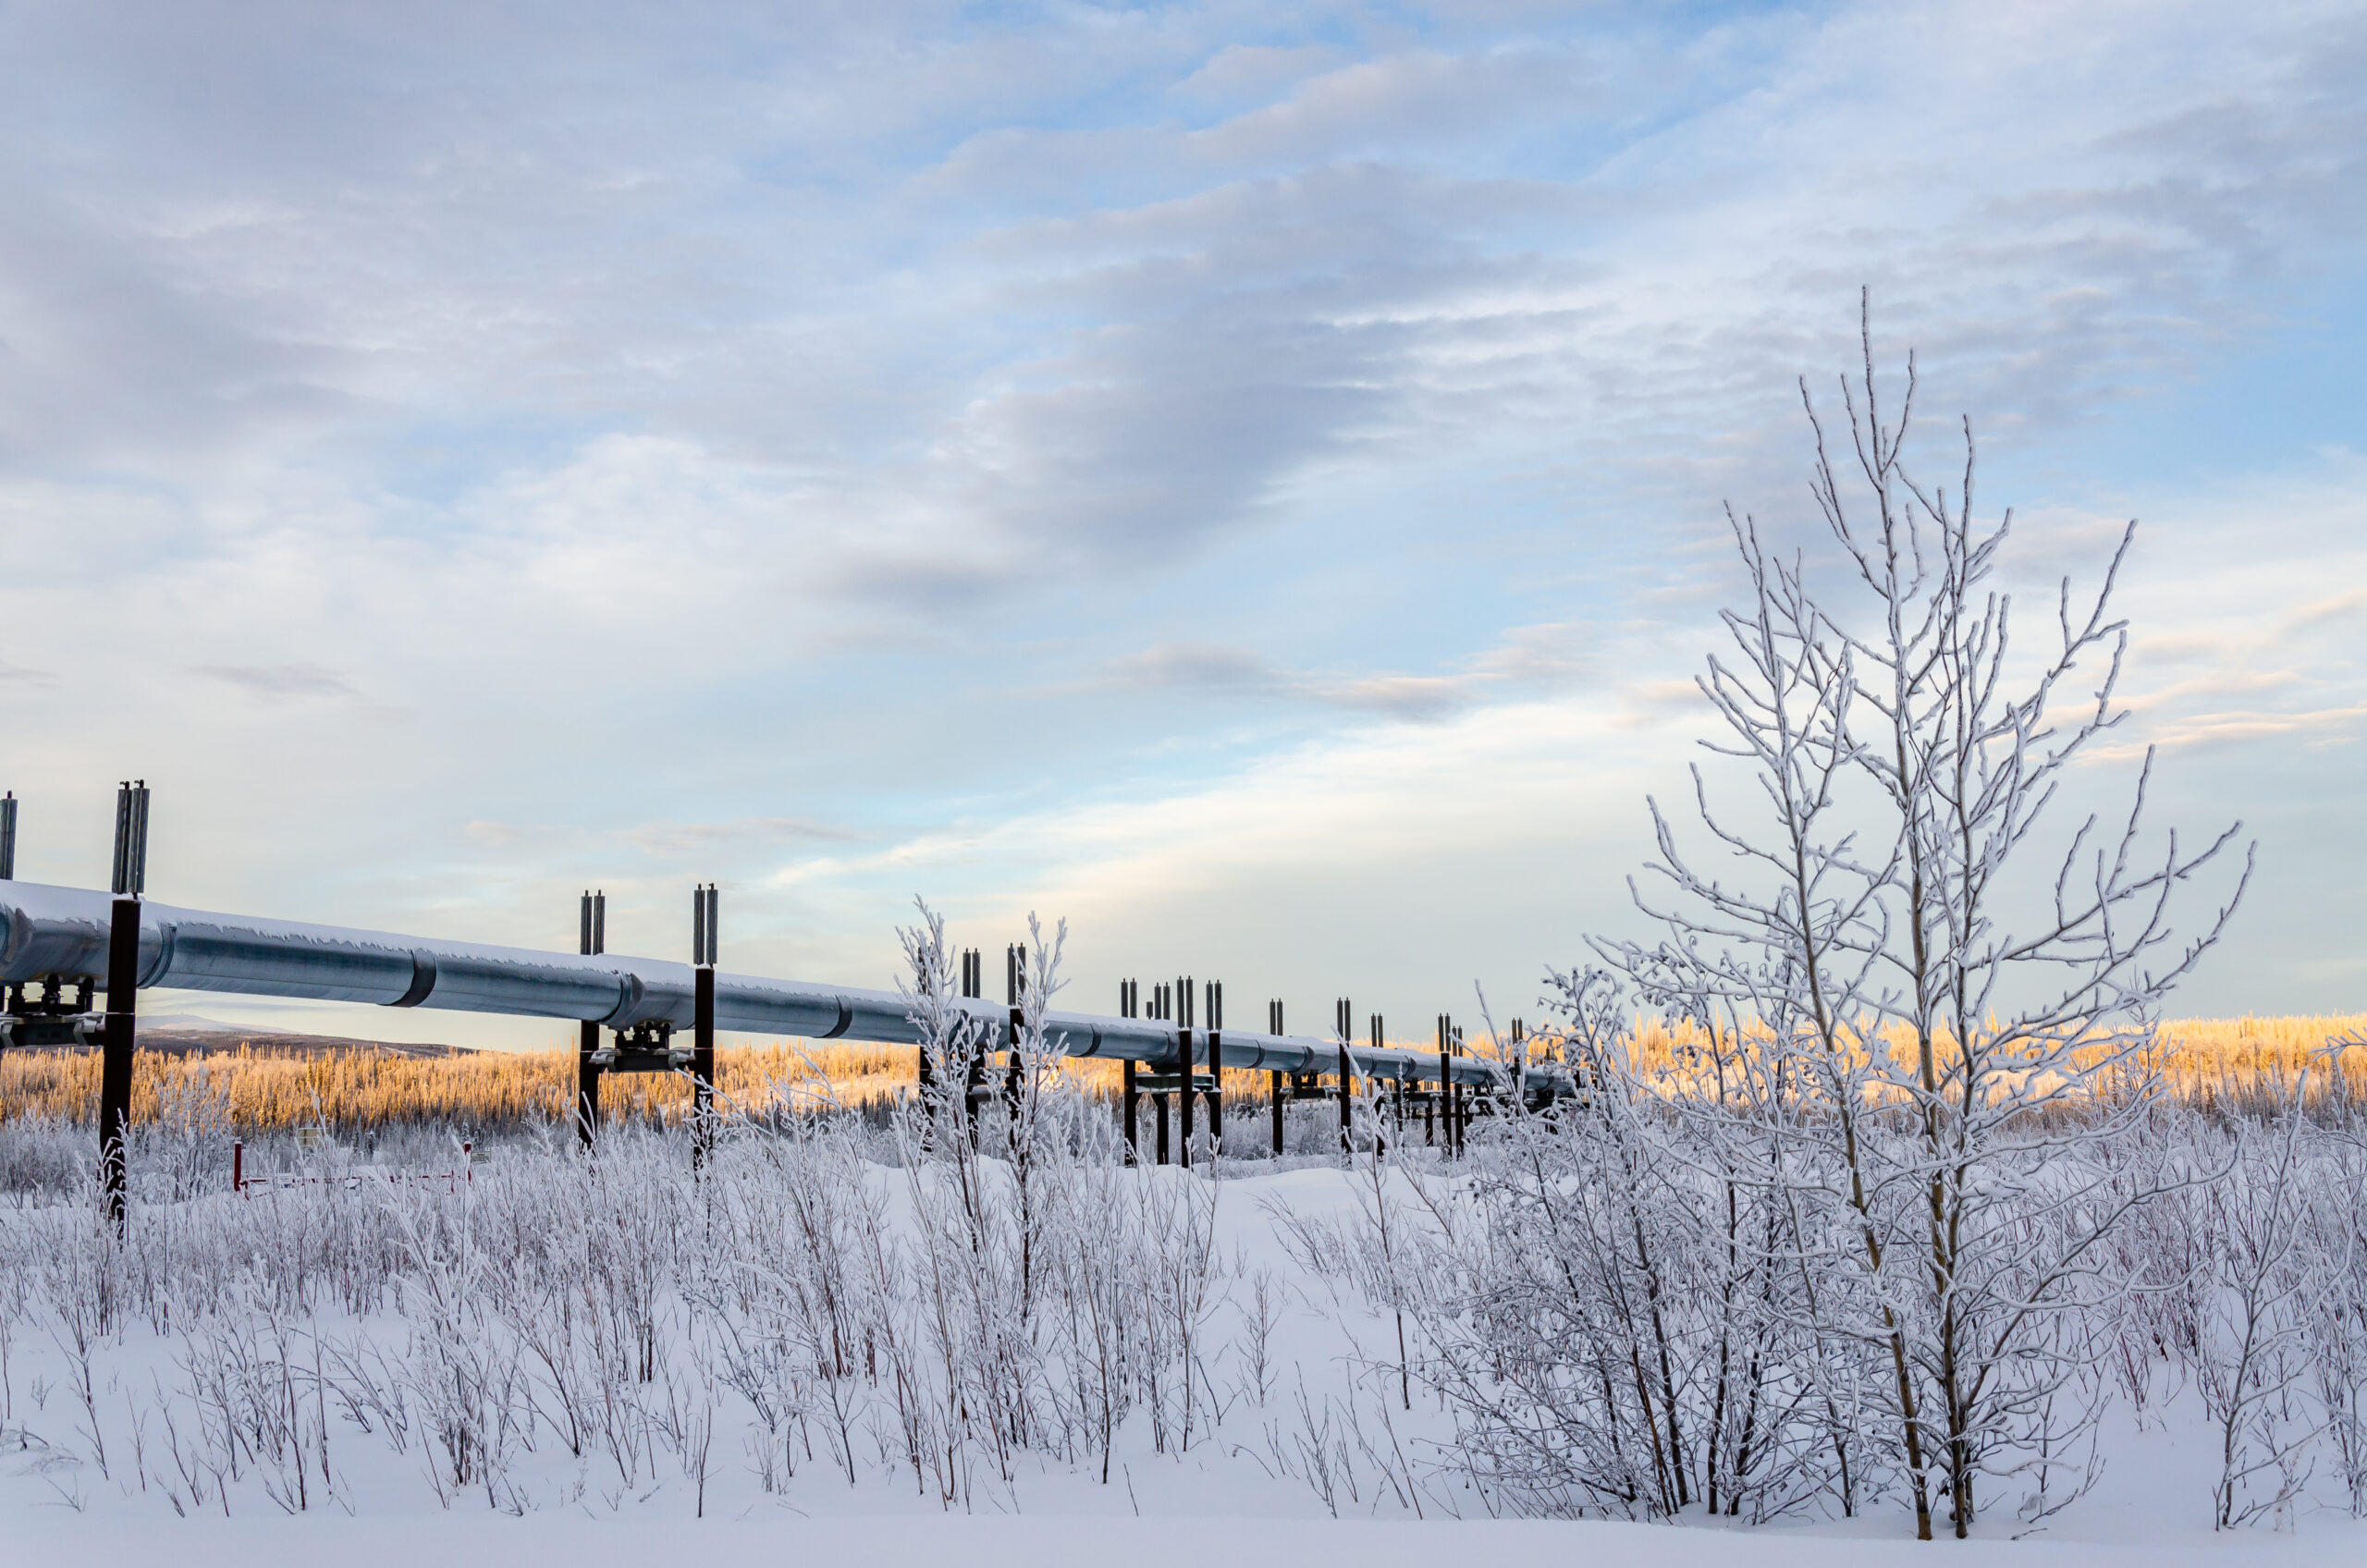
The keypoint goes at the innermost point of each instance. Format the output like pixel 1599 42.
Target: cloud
pixel 1491 776
pixel 1524 662
pixel 1414 98
pixel 282 682
pixel 1247 71
pixel 2319 727
pixel 677 838
pixel 869 424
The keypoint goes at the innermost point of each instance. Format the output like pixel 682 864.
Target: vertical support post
pixel 974 1056
pixel 1274 1079
pixel 118 1039
pixel 8 836
pixel 703 950
pixel 592 934
pixel 1163 1008
pixel 239 1166
pixel 1454 1102
pixel 1378 1145
pixel 1343 1021
pixel 1014 963
pixel 1520 1068
pixel 1186 1065
pixel 925 1069
pixel 1215 998
pixel 703 1058
pixel 118 1043
pixel 132 838
pixel 1129 1001
pixel 1397 1089
pixel 1438 1101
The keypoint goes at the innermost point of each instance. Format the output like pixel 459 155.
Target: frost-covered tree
pixel 1946 983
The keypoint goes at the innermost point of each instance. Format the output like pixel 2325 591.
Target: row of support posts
pixel 976 1069
pixel 62 1006
pixel 61 1013
pixel 1449 1104
pixel 1182 1078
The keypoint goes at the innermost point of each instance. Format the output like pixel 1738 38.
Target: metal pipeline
pixel 64 931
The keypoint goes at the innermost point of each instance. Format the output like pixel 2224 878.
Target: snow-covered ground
pixel 1043 1539
pixel 1238 1491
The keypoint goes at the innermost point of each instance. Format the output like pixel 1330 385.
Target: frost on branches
pixel 1860 1237
pixel 1882 1210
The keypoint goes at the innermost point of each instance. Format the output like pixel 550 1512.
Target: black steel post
pixel 115 1067
pixel 1454 1127
pixel 119 1038
pixel 1431 1111
pixel 1216 1066
pixel 925 1073
pixel 1014 961
pixel 1133 1097
pixel 1378 1145
pixel 1397 1111
pixel 8 836
pixel 702 942
pixel 1130 998
pixel 1343 1017
pixel 974 1062
pixel 1274 1079
pixel 592 938
pixel 1465 1102
pixel 703 1059
pixel 1186 1066
pixel 1162 1007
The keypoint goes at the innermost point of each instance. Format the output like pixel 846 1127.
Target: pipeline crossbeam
pixel 64 931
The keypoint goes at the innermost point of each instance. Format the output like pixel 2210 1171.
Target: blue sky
pixel 1246 478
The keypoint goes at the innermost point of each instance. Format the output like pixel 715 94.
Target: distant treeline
pixel 293 1081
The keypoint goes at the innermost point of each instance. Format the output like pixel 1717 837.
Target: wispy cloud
pixel 1524 660
pixel 677 838
pixel 1236 672
pixel 282 682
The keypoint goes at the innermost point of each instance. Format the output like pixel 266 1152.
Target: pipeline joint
pixel 422 980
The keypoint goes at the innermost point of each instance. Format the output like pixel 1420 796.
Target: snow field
pixel 389 1373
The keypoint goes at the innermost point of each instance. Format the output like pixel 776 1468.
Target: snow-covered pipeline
pixel 46 930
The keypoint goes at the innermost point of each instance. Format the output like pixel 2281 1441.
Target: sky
pixel 1247 480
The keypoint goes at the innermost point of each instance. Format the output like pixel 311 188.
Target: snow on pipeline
pixel 904 1344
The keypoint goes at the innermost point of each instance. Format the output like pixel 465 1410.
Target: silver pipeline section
pixel 64 931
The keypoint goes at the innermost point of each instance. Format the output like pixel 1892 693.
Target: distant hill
pixel 187 1034
pixel 196 1024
